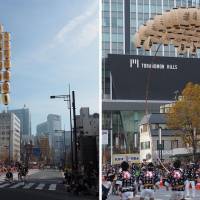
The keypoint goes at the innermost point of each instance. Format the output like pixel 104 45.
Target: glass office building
pixel 121 19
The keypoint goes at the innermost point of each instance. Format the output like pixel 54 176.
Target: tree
pixel 184 115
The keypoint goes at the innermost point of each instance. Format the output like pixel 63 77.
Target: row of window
pixel 115 37
pixel 146 145
pixel 114 6
pixel 116 22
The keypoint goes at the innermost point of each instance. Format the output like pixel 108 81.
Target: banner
pixel 131 158
pixel 105 137
pixel 133 75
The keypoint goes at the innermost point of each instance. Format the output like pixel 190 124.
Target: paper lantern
pixel 171 36
pixel 1 56
pixel 181 26
pixel 193 16
pixel 143 33
pixel 158 23
pixel 7 54
pixel 1 28
pixel 155 40
pixel 167 21
pixel 1 37
pixel 188 42
pixel 5 87
pixel 7 64
pixel 174 18
pixel 137 41
pixel 5 99
pixel 6 75
pixel 197 24
pixel 181 49
pixel 6 45
pixel 147 44
pixel 197 45
pixel 1 76
pixel 1 65
pixel 180 13
pixel 165 40
pixel 6 36
pixel 185 18
pixel 195 39
pixel 193 50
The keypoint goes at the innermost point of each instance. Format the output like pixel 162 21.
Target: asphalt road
pixel 40 184
pixel 160 194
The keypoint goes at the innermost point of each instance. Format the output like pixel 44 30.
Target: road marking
pixel 28 186
pixel 4 185
pixel 17 185
pixel 52 187
pixel 40 186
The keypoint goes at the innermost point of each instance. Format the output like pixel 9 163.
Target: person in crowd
pixel 9 175
pixel 126 182
pixel 191 176
pixel 176 179
pixel 149 180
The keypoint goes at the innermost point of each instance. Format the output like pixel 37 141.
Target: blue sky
pixel 53 43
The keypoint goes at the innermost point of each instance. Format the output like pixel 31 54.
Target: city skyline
pixel 46 40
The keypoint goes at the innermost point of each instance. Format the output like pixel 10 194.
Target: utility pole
pixel 75 133
pixel 70 112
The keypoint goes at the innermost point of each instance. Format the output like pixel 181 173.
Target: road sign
pixel 160 147
pixel 105 137
pixel 36 151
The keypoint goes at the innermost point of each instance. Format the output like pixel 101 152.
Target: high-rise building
pixel 9 137
pixel 53 123
pixel 88 136
pixel 121 19
pixel 25 120
pixel 87 124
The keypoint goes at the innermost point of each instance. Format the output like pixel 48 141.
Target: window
pixel 144 128
pixel 106 21
pixel 106 37
pixel 145 145
pixel 117 38
pixel 174 144
pixel 133 8
pixel 106 6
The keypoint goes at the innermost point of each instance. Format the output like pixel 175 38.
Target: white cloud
pixel 83 26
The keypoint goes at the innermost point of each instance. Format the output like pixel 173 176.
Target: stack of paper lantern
pixel 5 65
pixel 179 26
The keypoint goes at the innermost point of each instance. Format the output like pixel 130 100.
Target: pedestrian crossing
pixel 30 185
pixel 15 175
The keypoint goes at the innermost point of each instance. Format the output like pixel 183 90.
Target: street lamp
pixel 68 99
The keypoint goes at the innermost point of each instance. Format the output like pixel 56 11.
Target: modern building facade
pixel 9 137
pixel 51 129
pixel 121 19
pixel 25 120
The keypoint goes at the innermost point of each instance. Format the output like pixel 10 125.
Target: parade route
pixel 160 194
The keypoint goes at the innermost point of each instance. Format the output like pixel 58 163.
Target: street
pixel 40 184
pixel 161 194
